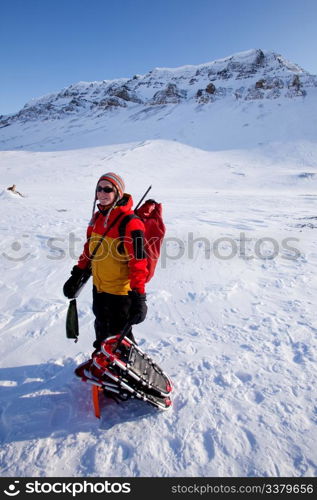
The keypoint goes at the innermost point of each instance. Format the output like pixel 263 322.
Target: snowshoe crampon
pixel 124 371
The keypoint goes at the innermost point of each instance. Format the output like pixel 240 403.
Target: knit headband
pixel 117 182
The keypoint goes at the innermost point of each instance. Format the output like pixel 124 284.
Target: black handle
pixel 146 192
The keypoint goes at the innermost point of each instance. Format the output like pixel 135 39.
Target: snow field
pixel 237 335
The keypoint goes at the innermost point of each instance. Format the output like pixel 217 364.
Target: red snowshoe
pixel 122 371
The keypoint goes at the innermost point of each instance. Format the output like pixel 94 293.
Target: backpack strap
pixel 92 255
pixel 122 230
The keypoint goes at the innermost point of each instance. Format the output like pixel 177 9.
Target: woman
pixel 119 268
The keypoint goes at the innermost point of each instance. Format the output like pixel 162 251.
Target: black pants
pixel 112 314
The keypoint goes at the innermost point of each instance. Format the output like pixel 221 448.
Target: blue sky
pixel 46 45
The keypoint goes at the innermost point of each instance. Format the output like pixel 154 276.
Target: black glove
pixel 70 287
pixel 138 307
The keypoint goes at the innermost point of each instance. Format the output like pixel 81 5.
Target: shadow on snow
pixel 48 400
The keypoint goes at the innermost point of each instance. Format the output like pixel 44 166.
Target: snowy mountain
pixel 230 148
pixel 217 97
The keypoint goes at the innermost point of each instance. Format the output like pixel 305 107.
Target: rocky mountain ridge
pixel 246 76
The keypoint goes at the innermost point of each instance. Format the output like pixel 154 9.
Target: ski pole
pixel 146 192
pixel 125 330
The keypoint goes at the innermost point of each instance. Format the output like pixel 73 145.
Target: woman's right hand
pixel 70 286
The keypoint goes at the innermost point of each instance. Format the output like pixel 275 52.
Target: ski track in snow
pixel 237 336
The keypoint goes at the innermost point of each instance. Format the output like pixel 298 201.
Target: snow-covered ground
pixel 232 318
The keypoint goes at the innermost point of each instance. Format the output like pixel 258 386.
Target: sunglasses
pixel 106 189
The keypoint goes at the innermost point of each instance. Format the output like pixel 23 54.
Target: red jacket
pixel 114 271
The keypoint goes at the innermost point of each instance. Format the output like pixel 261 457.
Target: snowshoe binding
pixel 122 370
